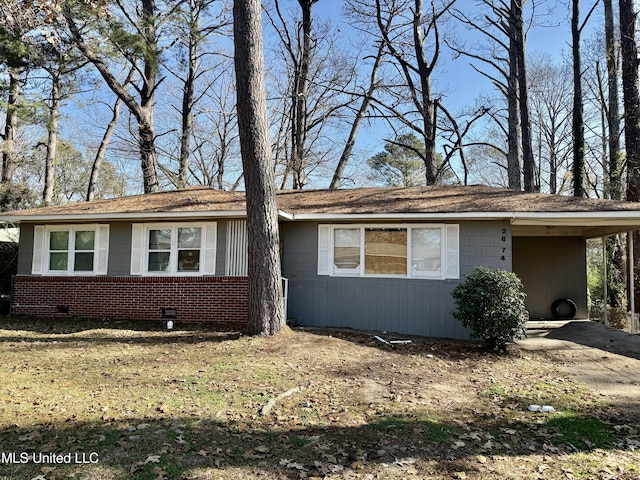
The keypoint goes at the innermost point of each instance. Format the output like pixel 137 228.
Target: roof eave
pixel 104 217
pixel 516 218
pixel 630 218
pixel 327 217
pixel 625 220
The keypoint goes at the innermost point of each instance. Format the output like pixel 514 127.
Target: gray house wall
pixel 409 306
pixel 551 268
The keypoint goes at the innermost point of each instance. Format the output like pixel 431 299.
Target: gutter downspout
pixel 604 281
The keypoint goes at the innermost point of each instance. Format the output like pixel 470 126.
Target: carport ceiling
pixel 586 226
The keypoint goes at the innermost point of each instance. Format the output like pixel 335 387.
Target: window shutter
pixel 102 249
pixel 236 260
pixel 453 251
pixel 324 239
pixel 37 265
pixel 137 248
pixel 210 238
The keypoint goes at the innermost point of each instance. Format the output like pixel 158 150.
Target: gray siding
pixel 409 306
pixel 551 268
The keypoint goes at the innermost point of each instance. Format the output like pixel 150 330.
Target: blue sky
pixel 455 79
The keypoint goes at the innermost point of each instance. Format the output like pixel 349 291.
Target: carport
pixel 549 254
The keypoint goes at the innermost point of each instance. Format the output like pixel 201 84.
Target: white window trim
pixel 140 249
pixel 449 251
pixel 42 253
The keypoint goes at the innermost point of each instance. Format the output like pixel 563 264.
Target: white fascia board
pixel 607 218
pixel 133 216
pixel 611 218
pixel 286 215
pixel 122 216
pixel 404 216
pixel 579 219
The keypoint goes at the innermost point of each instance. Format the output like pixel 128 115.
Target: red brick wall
pixel 220 300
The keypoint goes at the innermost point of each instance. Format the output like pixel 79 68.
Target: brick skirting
pixel 220 300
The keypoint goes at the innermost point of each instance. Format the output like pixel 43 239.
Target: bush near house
pixel 491 303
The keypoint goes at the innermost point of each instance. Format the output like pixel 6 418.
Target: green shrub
pixel 491 303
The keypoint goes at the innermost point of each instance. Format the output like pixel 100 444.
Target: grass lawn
pixel 91 400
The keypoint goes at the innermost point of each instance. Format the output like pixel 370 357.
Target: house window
pixel 189 245
pixel 70 250
pixel 409 251
pixel 426 252
pixel 174 250
pixel 346 250
pixel 385 251
pixel 178 249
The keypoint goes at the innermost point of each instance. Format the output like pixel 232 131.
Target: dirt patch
pixel 189 404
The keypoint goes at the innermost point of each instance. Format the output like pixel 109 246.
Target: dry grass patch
pixel 120 401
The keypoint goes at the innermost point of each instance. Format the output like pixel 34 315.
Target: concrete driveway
pixel 605 359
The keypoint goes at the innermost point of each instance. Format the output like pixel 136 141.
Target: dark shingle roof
pixel 362 201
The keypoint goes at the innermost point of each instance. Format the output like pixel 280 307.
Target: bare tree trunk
pixel 415 69
pixel 360 116
pixel 147 99
pixel 188 99
pixel 299 97
pixel 10 126
pixel 528 162
pixel 52 138
pixel 102 150
pixel 187 121
pixel 514 170
pixel 428 104
pixel 578 121
pixel 613 115
pixel 616 277
pixel 266 312
pixel 220 172
pixel 631 101
pixel 631 96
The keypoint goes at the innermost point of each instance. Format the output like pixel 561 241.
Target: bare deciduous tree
pixel 550 93
pixel 195 26
pixel 406 31
pixel 313 99
pixel 503 51
pixel 578 111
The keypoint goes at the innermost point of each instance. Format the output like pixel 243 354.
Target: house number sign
pixel 503 245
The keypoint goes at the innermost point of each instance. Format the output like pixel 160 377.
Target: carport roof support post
pixel 632 286
pixel 604 281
